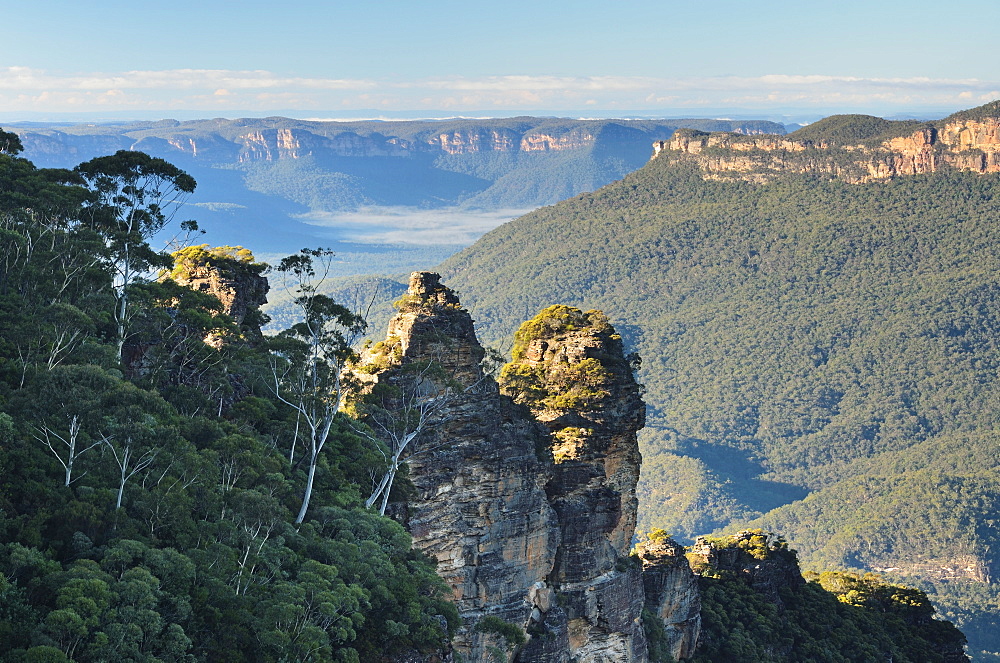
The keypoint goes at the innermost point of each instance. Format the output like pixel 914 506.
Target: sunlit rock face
pixel 583 391
pixel 971 144
pixel 479 505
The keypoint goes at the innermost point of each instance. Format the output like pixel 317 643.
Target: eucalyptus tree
pixel 136 195
pixel 309 358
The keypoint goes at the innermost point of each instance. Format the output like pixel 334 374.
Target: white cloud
pixel 27 89
pixel 26 79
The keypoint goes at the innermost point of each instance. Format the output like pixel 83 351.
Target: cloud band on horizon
pixel 33 90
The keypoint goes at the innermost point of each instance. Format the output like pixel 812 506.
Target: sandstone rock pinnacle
pixel 526 496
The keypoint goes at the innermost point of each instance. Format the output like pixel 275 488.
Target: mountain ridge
pixel 855 148
pixel 803 335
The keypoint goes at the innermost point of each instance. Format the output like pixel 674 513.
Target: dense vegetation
pixel 801 337
pixel 836 617
pixel 854 130
pixel 149 479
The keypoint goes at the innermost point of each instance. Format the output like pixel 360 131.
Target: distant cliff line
pixel 275 138
pixel 856 148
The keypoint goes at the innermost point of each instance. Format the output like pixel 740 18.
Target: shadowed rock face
pixel 762 559
pixel 527 504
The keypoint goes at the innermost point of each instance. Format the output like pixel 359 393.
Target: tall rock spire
pixel 570 370
pixel 479 505
pixel 525 496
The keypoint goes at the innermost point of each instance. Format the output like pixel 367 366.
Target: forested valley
pixel 820 357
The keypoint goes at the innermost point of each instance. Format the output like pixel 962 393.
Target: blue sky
pixel 598 58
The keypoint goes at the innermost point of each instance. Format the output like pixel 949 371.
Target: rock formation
pixel 570 370
pixel 526 497
pixel 479 506
pixel 761 558
pixel 229 273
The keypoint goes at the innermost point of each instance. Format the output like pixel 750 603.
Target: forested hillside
pixel 801 337
pixel 154 454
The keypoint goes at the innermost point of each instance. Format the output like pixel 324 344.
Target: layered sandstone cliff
pixel 966 141
pixel 526 497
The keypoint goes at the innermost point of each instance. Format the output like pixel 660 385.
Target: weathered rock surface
pixel 479 507
pixel 234 279
pixel 527 506
pixel 591 404
pixel 760 558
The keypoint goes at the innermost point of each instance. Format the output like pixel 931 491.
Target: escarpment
pixel 525 494
pixel 854 148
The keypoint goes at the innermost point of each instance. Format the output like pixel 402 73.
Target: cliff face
pixel 959 142
pixel 475 140
pixel 672 594
pixel 527 504
pixel 229 273
pixel 759 558
pixel 959 567
pixel 276 144
pixel 479 506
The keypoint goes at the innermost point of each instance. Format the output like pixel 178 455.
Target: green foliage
pixel 986 111
pixel 839 618
pixel 854 130
pixel 146 507
pixel 552 322
pixel 557 385
pixel 229 261
pixel 10 143
pixel 512 634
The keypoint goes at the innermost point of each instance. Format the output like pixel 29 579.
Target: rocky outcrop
pixel 672 594
pixel 479 505
pixel 471 141
pixel 570 370
pixel 230 274
pixel 760 558
pixel 276 144
pixel 961 567
pixel 544 142
pixel 527 502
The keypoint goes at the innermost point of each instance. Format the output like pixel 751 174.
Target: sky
pixel 313 58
